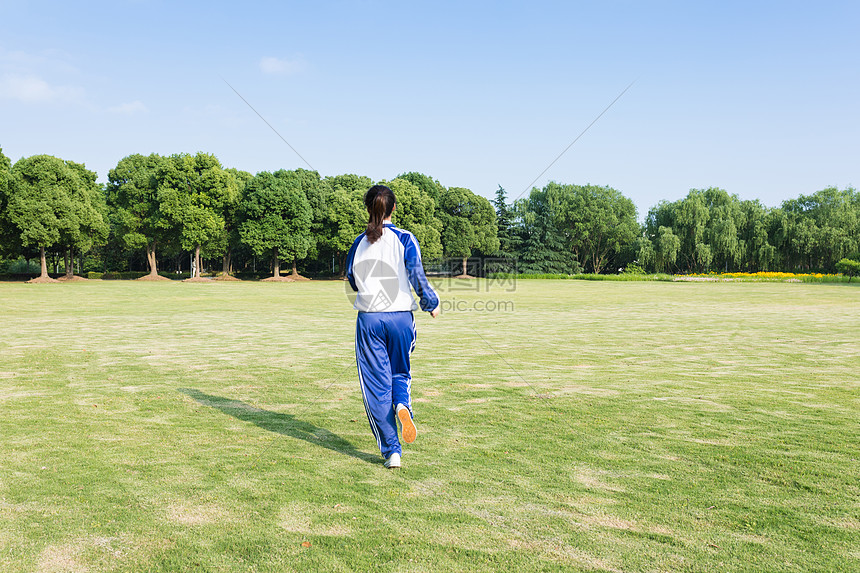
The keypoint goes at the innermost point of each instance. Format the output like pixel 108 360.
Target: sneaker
pixel 393 461
pixel 407 426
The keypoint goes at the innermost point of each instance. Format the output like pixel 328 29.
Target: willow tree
pixel 721 233
pixel 822 228
pixel 666 247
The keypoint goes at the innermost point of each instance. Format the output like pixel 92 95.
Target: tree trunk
pixel 197 261
pixel 150 259
pixel 343 265
pixel 277 264
pixel 44 274
pixel 70 261
pixel 295 271
pixel 226 267
pixel 464 265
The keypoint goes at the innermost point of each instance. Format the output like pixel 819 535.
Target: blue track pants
pixel 383 343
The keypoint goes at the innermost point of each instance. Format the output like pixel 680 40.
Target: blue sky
pixel 759 98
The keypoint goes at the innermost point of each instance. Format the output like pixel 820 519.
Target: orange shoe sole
pixel 407 426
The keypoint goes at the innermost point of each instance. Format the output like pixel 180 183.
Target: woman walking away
pixel 382 264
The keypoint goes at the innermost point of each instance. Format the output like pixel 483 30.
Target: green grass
pixel 640 277
pixel 595 426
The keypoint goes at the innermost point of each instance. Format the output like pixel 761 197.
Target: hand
pixel 435 312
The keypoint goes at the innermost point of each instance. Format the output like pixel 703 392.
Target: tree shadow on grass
pixel 284 424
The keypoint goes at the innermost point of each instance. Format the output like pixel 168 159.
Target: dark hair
pixel 379 201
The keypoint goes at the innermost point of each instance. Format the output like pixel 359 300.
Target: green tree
pixel 8 235
pixel 425 183
pixel 724 239
pixel 469 222
pixel 822 228
pixel 725 218
pixel 5 171
pixel 599 221
pixel 849 268
pixel 691 216
pixel 310 185
pixel 543 246
pixel 803 243
pixel 505 216
pixel 345 214
pixel 645 255
pixel 230 213
pixel 90 226
pixel 416 212
pixel 810 232
pixel 50 204
pixel 194 192
pixel 703 257
pixel 715 227
pixel 666 247
pixel 276 218
pixel 759 252
pixel 135 205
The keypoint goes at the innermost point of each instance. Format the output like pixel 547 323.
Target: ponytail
pixel 379 201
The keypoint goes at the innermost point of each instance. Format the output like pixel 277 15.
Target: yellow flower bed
pixel 768 275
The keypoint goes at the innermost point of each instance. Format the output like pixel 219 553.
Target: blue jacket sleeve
pixel 428 299
pixel 350 276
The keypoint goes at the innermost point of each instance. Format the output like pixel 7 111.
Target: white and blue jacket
pixel 382 273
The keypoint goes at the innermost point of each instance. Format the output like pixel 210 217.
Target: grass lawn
pixel 595 426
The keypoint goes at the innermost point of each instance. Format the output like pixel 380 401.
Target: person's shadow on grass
pixel 284 424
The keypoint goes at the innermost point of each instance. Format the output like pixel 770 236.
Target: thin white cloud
pixel 33 89
pixel 279 66
pixel 54 61
pixel 129 108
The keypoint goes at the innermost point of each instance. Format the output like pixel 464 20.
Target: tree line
pixel 160 208
pixel 569 228
pixel 155 210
